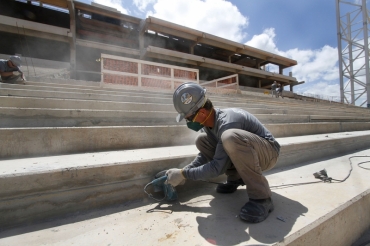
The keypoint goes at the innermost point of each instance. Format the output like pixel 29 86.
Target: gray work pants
pixel 249 154
pixel 10 79
pixel 273 93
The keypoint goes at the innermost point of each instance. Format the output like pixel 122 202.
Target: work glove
pixel 175 177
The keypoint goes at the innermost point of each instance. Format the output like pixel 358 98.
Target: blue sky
pixel 304 30
pixel 297 23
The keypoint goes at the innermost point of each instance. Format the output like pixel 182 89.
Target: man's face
pixel 192 117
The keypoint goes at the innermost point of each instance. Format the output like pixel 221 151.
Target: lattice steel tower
pixel 353 50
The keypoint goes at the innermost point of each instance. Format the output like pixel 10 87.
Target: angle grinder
pixel 160 185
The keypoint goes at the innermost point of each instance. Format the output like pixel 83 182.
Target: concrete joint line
pixel 72 189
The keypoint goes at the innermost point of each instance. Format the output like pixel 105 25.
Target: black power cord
pixel 323 175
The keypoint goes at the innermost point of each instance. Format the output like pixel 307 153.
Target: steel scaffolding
pixel 353 50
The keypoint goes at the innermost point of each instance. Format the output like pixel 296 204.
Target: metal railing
pixel 318 97
pixel 223 85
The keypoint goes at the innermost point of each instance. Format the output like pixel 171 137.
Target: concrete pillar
pixel 258 64
pixel 191 48
pixel 142 29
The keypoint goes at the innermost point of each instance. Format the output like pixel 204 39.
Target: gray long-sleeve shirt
pixel 231 118
pixel 5 68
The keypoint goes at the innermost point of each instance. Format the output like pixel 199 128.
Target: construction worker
pixel 234 142
pixel 7 67
pixel 280 90
pixel 273 89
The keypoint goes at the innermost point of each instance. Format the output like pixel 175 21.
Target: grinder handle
pixel 159 180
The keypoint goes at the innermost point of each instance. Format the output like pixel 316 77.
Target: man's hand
pixel 175 177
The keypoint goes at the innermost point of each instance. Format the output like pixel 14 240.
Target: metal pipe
pixel 29 53
pixel 20 38
pixel 366 49
pixel 340 61
pixel 350 57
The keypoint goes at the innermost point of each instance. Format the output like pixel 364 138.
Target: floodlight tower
pixel 353 49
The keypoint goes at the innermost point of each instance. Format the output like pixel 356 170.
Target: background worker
pixel 7 67
pixel 273 89
pixel 234 143
pixel 280 90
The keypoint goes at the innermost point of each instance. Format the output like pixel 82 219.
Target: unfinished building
pixel 79 33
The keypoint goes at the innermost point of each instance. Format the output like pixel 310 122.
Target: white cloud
pixel 264 41
pixel 315 65
pixel 318 68
pixel 217 17
pixel 143 4
pixel 116 4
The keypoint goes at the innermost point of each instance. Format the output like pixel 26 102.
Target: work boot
pixel 256 211
pixel 229 186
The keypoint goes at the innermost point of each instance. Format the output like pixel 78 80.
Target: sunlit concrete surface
pixel 308 214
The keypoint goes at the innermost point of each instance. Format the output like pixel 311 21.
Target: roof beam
pixel 207 62
pixel 178 30
pixel 101 46
pixel 10 21
pixel 57 3
pixel 93 9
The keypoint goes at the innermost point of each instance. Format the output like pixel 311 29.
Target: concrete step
pixel 74 104
pixel 47 187
pixel 83 96
pixel 77 88
pixel 58 81
pixel 33 117
pixel 19 117
pixel 83 92
pixel 333 214
pixel 246 94
pixel 143 96
pixel 44 141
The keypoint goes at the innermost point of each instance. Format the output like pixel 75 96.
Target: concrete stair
pixel 311 214
pixel 72 147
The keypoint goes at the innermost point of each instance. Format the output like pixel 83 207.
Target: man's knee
pixel 229 139
pixel 201 140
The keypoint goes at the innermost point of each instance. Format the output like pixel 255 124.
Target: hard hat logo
pixel 186 98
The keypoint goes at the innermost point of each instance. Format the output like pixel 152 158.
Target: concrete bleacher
pixel 75 157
